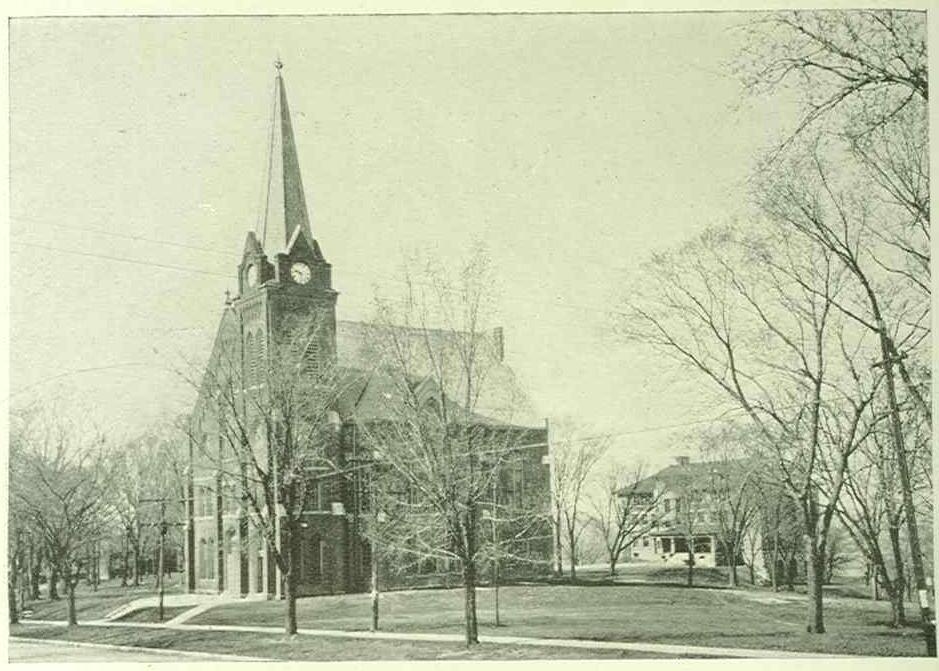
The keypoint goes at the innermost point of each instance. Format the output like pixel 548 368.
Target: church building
pixel 283 274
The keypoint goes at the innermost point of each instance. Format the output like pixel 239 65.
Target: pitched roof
pixel 672 475
pixel 502 395
pixel 285 212
pixel 368 396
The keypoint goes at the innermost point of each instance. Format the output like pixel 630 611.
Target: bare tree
pixel 693 503
pixel 734 492
pixel 865 75
pixel 856 70
pixel 780 536
pixel 573 461
pixel 60 479
pixel 753 314
pixel 276 420
pixel 621 513
pixel 139 476
pixel 435 357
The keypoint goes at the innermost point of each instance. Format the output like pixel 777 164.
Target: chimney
pixel 683 460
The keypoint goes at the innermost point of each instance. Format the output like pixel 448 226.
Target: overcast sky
pixel 574 146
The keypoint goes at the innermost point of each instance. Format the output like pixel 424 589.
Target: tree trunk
pixel 891 356
pixel 290 552
pixel 136 565
pixel 558 568
pixel 469 601
pixel 126 569
pixel 54 582
pixel 95 566
pixel 690 564
pixel 35 568
pixel 752 574
pixel 791 568
pixel 897 596
pixel 11 586
pixel 612 568
pixel 290 596
pixel 732 564
pixel 32 574
pixel 572 545
pixel 495 585
pixel 70 595
pixel 374 562
pixel 775 563
pixel 813 582
pixel 731 572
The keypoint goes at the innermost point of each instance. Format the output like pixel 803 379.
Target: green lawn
pixel 651 613
pixel 308 648
pixel 152 614
pixel 93 605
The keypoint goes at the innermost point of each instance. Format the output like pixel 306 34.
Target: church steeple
pixel 284 216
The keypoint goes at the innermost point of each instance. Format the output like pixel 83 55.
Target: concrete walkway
pixel 169 601
pixel 583 644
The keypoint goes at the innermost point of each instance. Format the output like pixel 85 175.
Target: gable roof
pixel 369 396
pixel 502 395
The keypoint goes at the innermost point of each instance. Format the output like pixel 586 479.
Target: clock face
pixel 300 273
pixel 252 275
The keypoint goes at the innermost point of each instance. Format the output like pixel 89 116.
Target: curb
pixel 140 648
pixel 584 644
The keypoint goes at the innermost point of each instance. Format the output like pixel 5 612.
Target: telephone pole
pixel 919 572
pixel 162 525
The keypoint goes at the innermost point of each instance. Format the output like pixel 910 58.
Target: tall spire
pixel 284 209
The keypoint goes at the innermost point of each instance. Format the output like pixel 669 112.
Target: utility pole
pixel 495 544
pixel 162 525
pixel 553 514
pixel 919 573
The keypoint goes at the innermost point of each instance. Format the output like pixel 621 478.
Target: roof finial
pixel 278 65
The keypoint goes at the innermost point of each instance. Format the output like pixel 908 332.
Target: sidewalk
pixel 169 601
pixel 24 649
pixel 658 648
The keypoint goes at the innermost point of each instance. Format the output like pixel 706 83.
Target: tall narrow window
pixel 250 362
pixel 311 356
pixel 261 358
pixel 313 559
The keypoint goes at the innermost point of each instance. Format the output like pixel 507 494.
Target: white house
pixel 681 508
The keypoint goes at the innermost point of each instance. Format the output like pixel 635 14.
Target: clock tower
pixel 283 275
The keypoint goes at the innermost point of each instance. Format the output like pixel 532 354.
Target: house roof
pixel 671 476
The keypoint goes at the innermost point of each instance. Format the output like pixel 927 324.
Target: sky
pixel 573 146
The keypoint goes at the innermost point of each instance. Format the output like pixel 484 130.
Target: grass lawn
pixel 93 605
pixel 307 647
pixel 652 613
pixel 152 614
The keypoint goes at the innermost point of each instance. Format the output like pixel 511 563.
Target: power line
pixel 230 275
pixel 517 299
pixel 121 259
pixel 127 236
